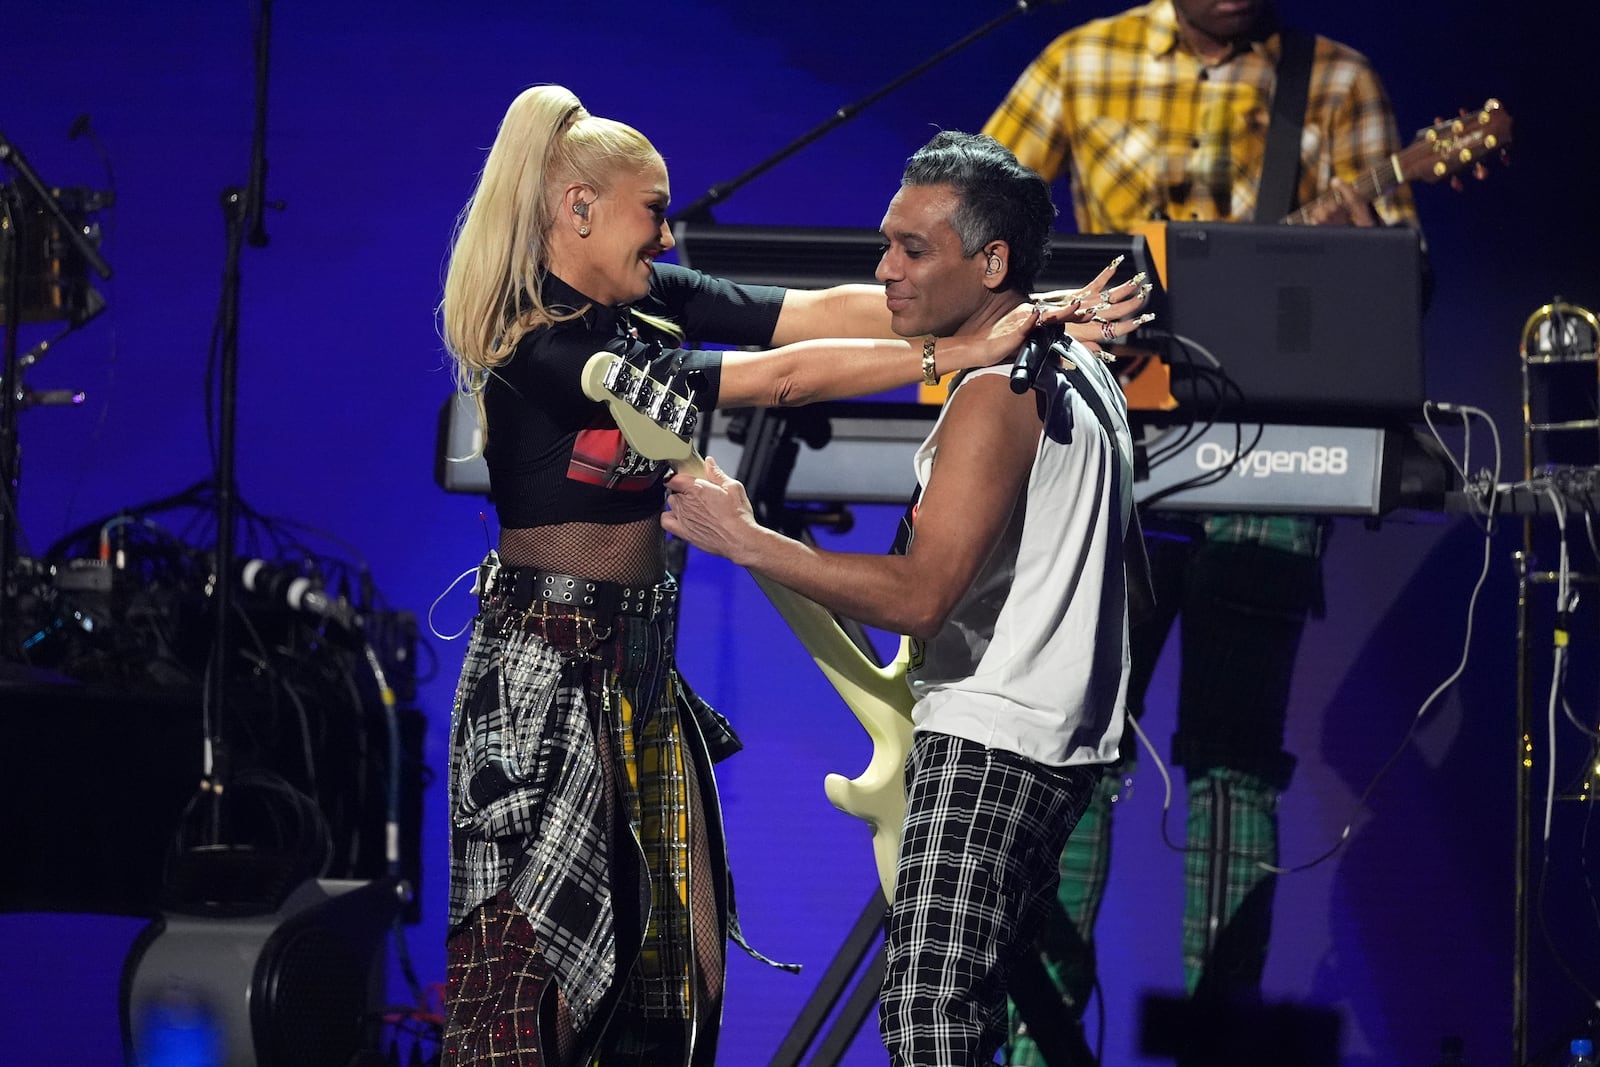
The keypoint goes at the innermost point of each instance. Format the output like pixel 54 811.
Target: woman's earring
pixel 581 209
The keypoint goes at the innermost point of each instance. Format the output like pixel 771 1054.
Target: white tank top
pixel 1034 657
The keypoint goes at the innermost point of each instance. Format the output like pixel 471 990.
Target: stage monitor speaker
pixel 1217 1032
pixel 301 984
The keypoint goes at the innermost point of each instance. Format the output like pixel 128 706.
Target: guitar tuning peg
pixel 1479 171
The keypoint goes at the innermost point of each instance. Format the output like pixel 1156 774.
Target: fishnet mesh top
pixel 629 553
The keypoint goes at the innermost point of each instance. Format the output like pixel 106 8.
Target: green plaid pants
pixel 1231 829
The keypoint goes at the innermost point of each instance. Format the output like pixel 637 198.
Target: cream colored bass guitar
pixel 659 424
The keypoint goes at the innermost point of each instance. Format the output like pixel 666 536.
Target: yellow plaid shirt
pixel 1150 132
pixel 1145 130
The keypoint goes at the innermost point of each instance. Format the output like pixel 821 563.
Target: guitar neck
pixel 818 630
pixel 658 423
pixel 1373 183
pixel 1438 152
pixel 692 464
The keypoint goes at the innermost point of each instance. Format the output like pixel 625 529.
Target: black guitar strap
pixel 1280 171
pixel 1136 564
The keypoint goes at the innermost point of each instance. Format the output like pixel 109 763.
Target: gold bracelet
pixel 929 375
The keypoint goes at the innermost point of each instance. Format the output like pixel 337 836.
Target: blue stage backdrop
pixel 377 120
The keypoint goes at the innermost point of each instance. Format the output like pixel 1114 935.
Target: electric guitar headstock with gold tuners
pixel 1440 152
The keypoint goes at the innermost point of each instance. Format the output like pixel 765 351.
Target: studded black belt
pixel 517 588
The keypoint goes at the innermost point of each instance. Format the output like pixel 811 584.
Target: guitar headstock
pixel 1450 146
pixel 658 421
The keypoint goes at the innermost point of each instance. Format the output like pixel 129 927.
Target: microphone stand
pixel 243 211
pixel 11 207
pixel 700 210
pixel 10 212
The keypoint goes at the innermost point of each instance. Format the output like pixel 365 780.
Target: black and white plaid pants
pixel 976 875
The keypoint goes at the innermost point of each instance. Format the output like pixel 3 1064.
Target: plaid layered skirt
pixel 583 829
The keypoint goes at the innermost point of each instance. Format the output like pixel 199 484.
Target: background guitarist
pixel 1012 587
pixel 1165 111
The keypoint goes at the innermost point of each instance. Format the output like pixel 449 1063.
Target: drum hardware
pixel 36 398
pixel 48 246
pixel 94 303
pixel 53 288
pixel 52 271
pixel 49 200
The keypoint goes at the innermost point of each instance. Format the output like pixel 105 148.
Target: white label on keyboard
pixel 1291 468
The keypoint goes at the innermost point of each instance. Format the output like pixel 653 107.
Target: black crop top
pixel 556 456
